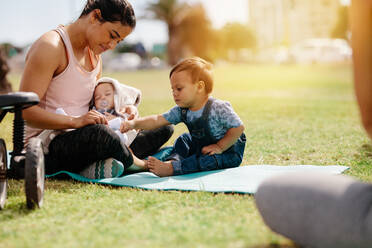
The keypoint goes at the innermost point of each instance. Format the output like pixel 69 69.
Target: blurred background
pixel 221 31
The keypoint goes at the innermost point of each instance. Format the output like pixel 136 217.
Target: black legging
pixel 148 142
pixel 75 150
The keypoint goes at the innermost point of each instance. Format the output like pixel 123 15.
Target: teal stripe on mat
pixel 243 179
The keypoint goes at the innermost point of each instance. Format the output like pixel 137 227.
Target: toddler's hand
pixel 211 149
pixel 126 126
pixel 131 117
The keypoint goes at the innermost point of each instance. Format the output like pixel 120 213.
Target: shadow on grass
pixel 68 185
pixel 15 211
pixel 366 149
pixel 361 163
pixel 277 246
pixel 61 185
pixel 65 184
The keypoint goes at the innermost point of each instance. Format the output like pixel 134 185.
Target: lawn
pixel 292 115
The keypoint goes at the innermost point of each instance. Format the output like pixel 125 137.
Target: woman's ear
pixel 96 15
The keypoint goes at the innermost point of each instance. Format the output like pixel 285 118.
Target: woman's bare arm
pixel 44 60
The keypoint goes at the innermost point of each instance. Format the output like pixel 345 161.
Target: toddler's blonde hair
pixel 200 70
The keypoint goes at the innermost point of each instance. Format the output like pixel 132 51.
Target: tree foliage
pixel 5 86
pixel 196 32
pixel 191 34
pixel 172 13
pixel 341 28
pixel 238 36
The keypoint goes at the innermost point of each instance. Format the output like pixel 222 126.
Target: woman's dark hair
pixel 112 11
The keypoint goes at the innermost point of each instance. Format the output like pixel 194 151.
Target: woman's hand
pixel 90 118
pixel 211 149
pixel 109 116
pixel 131 111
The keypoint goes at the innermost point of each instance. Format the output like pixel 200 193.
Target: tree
pixel 5 86
pixel 238 36
pixel 191 34
pixel 234 37
pixel 196 33
pixel 171 12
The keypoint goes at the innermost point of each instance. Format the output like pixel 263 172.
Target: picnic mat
pixel 243 179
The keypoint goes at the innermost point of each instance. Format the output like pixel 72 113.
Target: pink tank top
pixel 72 89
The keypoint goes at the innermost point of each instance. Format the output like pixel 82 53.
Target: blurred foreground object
pixel 325 211
pixel 27 164
pixel 361 28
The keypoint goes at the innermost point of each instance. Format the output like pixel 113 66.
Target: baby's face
pixel 104 96
pixel 184 91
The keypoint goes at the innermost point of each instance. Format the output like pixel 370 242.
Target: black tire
pixel 34 173
pixel 3 169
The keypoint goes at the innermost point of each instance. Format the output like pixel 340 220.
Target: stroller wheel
pixel 34 173
pixel 3 168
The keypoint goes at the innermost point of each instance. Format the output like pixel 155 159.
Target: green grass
pixel 292 114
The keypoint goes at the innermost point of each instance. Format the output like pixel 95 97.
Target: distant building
pixel 287 22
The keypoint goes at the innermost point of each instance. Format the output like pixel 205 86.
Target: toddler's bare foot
pixel 159 168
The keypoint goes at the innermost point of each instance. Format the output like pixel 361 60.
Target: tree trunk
pixel 174 48
pixel 5 86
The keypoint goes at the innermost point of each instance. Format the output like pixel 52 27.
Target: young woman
pixel 62 67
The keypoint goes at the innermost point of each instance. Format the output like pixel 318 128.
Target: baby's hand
pixel 126 126
pixel 211 149
pixel 130 111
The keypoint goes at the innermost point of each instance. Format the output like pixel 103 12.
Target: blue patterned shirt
pixel 221 118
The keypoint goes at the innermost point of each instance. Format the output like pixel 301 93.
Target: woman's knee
pixel 168 130
pixel 318 203
pixel 148 142
pixel 281 206
pixel 100 131
pixel 162 134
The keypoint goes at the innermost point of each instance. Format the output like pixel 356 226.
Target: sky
pixel 23 21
